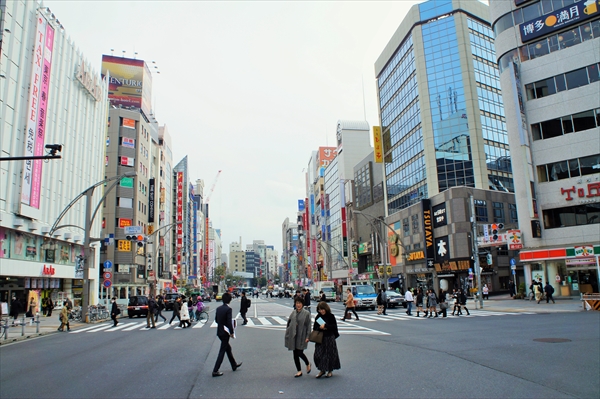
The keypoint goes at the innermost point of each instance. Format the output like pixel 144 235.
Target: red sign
pixel 593 190
pixel 179 219
pixel 107 275
pixel 48 271
pixel 125 222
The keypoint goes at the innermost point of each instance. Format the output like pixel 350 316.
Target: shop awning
pixel 392 280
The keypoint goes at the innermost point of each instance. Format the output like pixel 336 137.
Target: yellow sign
pixel 124 245
pixel 150 230
pixel 377 144
pixel 415 256
pixel 389 270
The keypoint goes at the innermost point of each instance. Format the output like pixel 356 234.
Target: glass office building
pixel 440 104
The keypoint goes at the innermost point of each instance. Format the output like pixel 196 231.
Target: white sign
pixel 133 229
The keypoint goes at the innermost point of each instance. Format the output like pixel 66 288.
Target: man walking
pixel 151 310
pixel 244 305
pixel 549 290
pixel 176 308
pixel 160 306
pixel 307 300
pixel 224 332
pixel 384 299
pixel 408 298
pixel 350 306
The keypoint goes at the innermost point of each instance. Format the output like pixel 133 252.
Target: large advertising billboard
pixel 326 155
pixel 36 112
pixel 129 83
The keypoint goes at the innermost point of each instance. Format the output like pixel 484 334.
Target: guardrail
pixel 591 301
pixel 19 323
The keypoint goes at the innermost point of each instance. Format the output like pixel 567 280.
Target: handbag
pixel 316 337
pixel 443 305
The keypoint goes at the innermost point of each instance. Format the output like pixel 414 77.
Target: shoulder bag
pixel 316 337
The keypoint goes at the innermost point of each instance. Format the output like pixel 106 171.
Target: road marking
pixel 119 327
pixel 279 320
pixel 135 325
pixel 264 321
pixel 83 329
pixel 100 328
pixel 198 325
pixel 167 325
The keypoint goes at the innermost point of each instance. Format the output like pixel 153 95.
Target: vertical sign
pixel 35 84
pixel 36 181
pixel 179 220
pixel 377 144
pixel 428 232
pixel 151 196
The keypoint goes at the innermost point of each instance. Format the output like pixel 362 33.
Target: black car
pixel 394 299
pixel 137 306
pixel 171 298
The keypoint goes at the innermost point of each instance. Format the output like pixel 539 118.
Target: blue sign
pixel 108 264
pixel 514 272
pixel 513 262
pixel 107 283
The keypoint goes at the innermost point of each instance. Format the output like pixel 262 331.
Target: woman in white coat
pixel 184 316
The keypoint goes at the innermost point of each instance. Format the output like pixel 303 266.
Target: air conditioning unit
pixel 18 222
pixel 68 236
pixel 34 226
pixel 78 238
pixel 45 229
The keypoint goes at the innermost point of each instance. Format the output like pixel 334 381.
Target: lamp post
pixel 87 240
pixel 476 250
pixel 338 252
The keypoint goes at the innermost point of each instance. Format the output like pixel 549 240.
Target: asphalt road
pixel 487 355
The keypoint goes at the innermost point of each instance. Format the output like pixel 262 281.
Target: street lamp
pixel 89 220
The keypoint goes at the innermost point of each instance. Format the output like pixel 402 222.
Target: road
pixel 489 354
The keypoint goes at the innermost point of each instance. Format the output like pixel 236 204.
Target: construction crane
pixel 212 188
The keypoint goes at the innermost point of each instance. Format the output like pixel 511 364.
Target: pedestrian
pixel 190 306
pixel 114 311
pixel 50 307
pixel 244 306
pixel 538 292
pixel 44 306
pixel 64 318
pixel 408 298
pixel 549 290
pixel 184 316
pixel 15 307
pixel 379 302
pixel 443 303
pixel 456 302
pixel 419 302
pixel 426 302
pixel 384 300
pixel 296 295
pixel 199 308
pixel 350 306
pixel 32 308
pixel 69 304
pixel 462 299
pixel 432 303
pixel 224 332
pixel 152 309
pixel 307 300
pixel 176 309
pixel 511 288
pixel 323 297
pixel 160 306
pixel 326 357
pixel 296 335
pixel 486 292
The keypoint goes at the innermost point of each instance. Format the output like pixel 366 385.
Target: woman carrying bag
pixel 326 356
pixel 296 334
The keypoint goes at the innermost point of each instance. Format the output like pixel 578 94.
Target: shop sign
pixel 579 262
pixel 428 230
pixel 123 245
pixel 125 222
pixel 513 237
pixel 413 256
pixel 439 216
pixel 442 247
pixel 558 19
pixel 583 251
pixel 48 271
pixel 593 191
pixel 453 265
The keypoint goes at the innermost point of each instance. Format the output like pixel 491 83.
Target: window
pixel 572 216
pixel 405 227
pixel 584 120
pixel 567 124
pixel 559 170
pixel 577 78
pixel 593 73
pixel 544 88
pixel 481 211
pixel 512 209
pixel 415 224
pixel 590 165
pixel 552 128
pixel 498 209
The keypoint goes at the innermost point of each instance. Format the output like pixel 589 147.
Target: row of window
pixel 408 120
pixel 481 212
pixel 410 147
pixel 406 46
pixel 569 168
pixel 566 124
pixel 401 73
pixel 581 33
pixel 569 216
pixel 400 101
pixel 565 81
pixel 528 13
pixel 410 198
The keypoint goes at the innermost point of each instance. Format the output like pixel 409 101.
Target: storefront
pixel 571 271
pixel 456 274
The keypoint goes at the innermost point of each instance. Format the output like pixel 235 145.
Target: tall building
pixel 548 53
pixel 443 123
pixel 237 258
pixel 49 94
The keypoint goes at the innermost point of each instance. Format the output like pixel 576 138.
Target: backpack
pixel 249 302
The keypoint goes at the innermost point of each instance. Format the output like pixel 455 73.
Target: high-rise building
pixel 49 95
pixel 443 123
pixel 548 53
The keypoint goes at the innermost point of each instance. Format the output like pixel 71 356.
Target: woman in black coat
pixel 326 356
pixel 114 311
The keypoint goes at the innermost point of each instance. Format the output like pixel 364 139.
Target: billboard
pixel 36 112
pixel 179 219
pixel 326 155
pixel 129 83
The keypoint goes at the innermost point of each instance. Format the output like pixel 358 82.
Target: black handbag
pixel 316 337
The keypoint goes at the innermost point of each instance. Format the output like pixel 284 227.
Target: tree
pixel 219 273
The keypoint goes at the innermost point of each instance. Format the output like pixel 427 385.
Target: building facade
pixel 548 53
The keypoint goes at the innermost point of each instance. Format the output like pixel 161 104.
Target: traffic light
pixel 489 259
pixel 140 239
pixel 495 231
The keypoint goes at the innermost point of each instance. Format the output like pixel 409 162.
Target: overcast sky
pixel 249 88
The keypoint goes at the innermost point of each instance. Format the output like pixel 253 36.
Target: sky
pixel 250 88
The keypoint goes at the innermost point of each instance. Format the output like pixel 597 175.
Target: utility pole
pixel 475 251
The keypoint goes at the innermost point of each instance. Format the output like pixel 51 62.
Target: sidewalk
pixel 504 303
pixel 47 325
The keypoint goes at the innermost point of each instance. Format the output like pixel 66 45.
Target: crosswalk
pixel 280 322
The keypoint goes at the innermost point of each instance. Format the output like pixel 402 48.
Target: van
pixel 137 306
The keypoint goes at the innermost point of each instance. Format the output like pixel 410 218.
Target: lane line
pixel 264 321
pixel 136 325
pixel 100 329
pixel 119 327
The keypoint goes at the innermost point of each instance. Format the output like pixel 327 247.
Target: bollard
pixel 37 323
pixel 23 326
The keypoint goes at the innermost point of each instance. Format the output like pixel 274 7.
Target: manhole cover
pixel 552 340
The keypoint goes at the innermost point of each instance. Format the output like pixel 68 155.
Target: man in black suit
pixel 224 319
pixel 244 305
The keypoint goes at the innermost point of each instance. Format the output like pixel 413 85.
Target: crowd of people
pixel 428 302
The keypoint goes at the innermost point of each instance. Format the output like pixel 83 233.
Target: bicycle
pixel 202 317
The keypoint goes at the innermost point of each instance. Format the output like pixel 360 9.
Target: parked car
pixel 219 296
pixel 137 306
pixel 170 299
pixel 394 299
